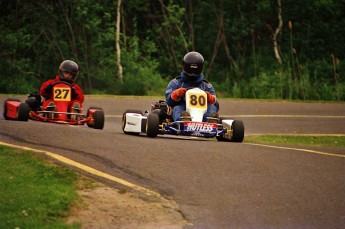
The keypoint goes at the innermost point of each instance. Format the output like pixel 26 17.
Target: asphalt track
pixel 216 184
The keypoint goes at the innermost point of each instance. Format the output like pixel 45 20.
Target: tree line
pixel 277 49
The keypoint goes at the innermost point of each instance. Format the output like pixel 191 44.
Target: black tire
pixel 24 112
pixel 237 131
pixel 124 120
pixel 156 111
pixel 162 116
pixel 98 117
pixel 152 125
pixel 87 115
pixel 5 108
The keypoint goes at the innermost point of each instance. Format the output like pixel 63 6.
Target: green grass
pixel 328 141
pixel 33 192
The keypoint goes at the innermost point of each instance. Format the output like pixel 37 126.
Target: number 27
pixel 61 93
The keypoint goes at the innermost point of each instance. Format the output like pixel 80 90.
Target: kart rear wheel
pixel 237 131
pixel 5 108
pixel 152 125
pixel 23 112
pixel 98 117
pixel 124 120
pixel 88 114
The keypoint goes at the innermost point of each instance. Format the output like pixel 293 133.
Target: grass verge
pixel 300 140
pixel 34 193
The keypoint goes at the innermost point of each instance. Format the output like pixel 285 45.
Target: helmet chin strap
pixel 189 75
pixel 192 75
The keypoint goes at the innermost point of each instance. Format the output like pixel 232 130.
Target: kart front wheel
pixel 152 125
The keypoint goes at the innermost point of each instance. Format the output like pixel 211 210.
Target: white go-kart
pixel 158 121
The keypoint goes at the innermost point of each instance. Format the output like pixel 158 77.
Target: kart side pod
pixel 16 110
pixel 133 123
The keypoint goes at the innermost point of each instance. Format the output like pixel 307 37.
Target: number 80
pixel 197 100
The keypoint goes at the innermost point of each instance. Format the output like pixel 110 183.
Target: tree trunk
pixel 118 50
pixel 277 32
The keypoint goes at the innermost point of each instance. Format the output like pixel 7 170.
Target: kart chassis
pixel 14 109
pixel 157 121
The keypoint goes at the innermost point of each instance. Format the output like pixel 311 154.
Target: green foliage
pixel 309 84
pixel 235 38
pixel 141 79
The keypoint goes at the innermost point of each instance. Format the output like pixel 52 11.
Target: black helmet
pixel 69 66
pixel 193 63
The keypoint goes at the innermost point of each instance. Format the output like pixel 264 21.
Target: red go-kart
pixel 14 109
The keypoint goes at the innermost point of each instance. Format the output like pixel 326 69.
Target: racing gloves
pixel 178 93
pixel 210 98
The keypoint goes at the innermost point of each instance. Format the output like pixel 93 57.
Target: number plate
pixel 62 94
pixel 197 100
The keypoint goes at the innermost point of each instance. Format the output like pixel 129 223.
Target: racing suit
pixel 187 82
pixel 77 95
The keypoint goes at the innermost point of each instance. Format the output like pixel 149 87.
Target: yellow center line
pixel 298 149
pixel 87 169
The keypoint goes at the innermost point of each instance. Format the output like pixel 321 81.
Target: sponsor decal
pixel 200 127
pixel 197 134
pixel 131 123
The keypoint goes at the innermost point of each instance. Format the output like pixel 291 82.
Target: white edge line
pixel 265 116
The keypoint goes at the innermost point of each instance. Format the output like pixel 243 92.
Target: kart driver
pixel 191 76
pixel 68 72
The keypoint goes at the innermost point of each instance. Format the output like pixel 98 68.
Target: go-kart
pixel 158 121
pixel 14 109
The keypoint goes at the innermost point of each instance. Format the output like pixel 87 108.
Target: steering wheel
pixel 63 82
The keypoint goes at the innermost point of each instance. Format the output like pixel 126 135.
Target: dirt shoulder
pixel 101 206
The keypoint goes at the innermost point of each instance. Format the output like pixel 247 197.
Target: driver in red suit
pixel 68 72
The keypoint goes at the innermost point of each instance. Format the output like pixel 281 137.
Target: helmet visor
pixel 193 69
